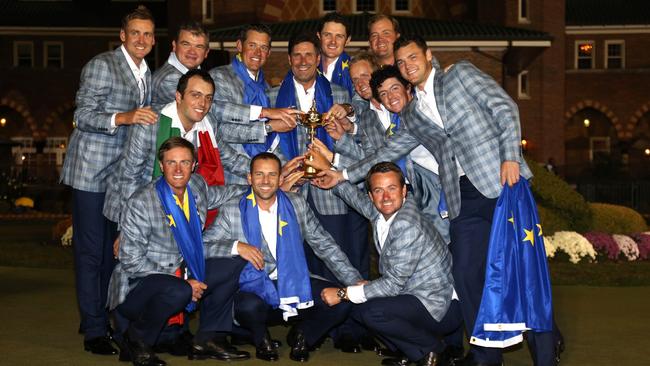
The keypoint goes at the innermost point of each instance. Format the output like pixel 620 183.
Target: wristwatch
pixel 342 293
pixel 268 128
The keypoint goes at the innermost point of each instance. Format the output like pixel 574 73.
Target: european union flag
pixel 517 291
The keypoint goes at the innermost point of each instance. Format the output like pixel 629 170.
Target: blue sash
pixel 254 94
pixel 287 98
pixel 187 235
pixel 341 74
pixel 293 289
pixel 517 291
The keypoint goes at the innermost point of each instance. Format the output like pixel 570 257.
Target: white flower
pixel 573 244
pixel 628 246
pixel 66 239
pixel 549 247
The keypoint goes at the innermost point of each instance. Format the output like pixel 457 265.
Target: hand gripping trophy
pixel 312 120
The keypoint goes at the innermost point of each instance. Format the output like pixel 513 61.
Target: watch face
pixel 340 293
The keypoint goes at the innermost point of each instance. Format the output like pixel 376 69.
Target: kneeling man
pixel 410 306
pixel 163 267
pixel 266 227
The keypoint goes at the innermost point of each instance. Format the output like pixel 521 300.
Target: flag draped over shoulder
pixel 341 74
pixel 293 288
pixel 517 291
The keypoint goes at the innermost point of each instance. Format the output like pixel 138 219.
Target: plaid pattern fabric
pixel 326 202
pixel 107 86
pixel 220 237
pixel 164 84
pixel 414 260
pixel 135 168
pixel 147 244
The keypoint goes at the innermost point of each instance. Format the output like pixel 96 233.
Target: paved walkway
pixel 38 326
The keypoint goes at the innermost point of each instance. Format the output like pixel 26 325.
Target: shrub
pixel 604 244
pixel 558 197
pixel 614 219
pixel 628 247
pixel 572 244
pixel 643 243
pixel 552 221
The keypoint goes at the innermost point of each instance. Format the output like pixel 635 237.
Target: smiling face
pixel 194 104
pixel 333 39
pixel 254 50
pixel 177 165
pixel 393 95
pixel 387 192
pixel 264 179
pixel 414 64
pixel 360 73
pixel 382 37
pixel 304 60
pixel 190 48
pixel 138 39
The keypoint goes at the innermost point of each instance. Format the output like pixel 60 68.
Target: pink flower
pixel 643 242
pixel 604 244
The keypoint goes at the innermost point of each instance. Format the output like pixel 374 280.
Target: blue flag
pixel 341 74
pixel 517 291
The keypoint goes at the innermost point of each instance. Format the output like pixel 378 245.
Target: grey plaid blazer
pixel 163 87
pixel 107 86
pixel 147 245
pixel 481 131
pixel 228 228
pixel 135 168
pixel 326 202
pixel 414 260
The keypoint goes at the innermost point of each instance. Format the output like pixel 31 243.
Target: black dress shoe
pixel 348 345
pixel 239 340
pixel 179 347
pixel 299 349
pixel 430 359
pixel 265 351
pixel 141 354
pixel 219 350
pixel 100 346
pixel 401 360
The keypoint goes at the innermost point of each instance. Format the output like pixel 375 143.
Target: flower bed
pixel 596 246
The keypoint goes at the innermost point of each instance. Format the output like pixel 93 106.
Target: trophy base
pixel 310 173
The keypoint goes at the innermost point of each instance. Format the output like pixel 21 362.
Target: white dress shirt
pixel 139 73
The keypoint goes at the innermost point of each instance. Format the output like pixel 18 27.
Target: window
pixel 53 54
pixel 364 5
pixel 208 11
pixel 523 11
pixel 598 146
pixel 584 51
pixel 328 5
pixel 401 6
pixel 614 54
pixel 24 53
pixel 523 85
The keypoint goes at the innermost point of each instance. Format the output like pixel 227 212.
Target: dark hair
pixel 193 27
pixel 364 56
pixel 384 167
pixel 336 18
pixel 303 36
pixel 405 40
pixel 382 74
pixel 377 17
pixel 265 156
pixel 141 12
pixel 174 142
pixel 204 75
pixel 257 27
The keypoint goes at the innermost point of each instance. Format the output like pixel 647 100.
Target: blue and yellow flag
pixel 517 291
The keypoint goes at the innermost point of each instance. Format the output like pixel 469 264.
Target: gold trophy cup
pixel 311 120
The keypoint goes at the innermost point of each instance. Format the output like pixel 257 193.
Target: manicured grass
pixel 601 274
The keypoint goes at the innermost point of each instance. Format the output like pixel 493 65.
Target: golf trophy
pixel 311 120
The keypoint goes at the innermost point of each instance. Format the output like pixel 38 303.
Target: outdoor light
pixel 524 144
pixel 647 152
pixel 3 122
pixel 22 157
pixel 587 122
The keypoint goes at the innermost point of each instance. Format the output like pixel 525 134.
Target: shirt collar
pixel 273 209
pixel 137 70
pixel 173 60
pixel 300 88
pixel 381 108
pixel 383 222
pixel 428 86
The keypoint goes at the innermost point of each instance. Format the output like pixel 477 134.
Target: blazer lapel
pixel 438 94
pixel 127 74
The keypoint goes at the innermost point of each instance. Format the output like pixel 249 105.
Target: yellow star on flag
pixel 390 129
pixel 171 220
pixel 539 227
pixel 345 64
pixel 281 224
pixel 530 236
pixel 512 219
pixel 251 197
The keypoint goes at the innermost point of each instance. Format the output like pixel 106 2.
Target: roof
pixel 607 12
pixel 430 29
pixel 75 13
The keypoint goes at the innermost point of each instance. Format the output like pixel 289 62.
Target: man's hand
pixel 197 289
pixel 291 166
pixel 329 296
pixel 251 254
pixel 335 129
pixel 509 172
pixel 316 159
pixel 289 182
pixel 116 247
pixel 281 119
pixel 279 125
pixel 144 116
pixel 327 179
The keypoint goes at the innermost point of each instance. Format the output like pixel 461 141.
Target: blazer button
pixel 453 158
pixel 448 135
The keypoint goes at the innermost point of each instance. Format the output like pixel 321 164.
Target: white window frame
pixel 46 54
pixel 321 7
pixel 594 140
pixel 354 7
pixel 521 93
pixel 395 11
pixel 18 43
pixel 207 18
pixel 523 18
pixel 606 53
pixel 576 49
